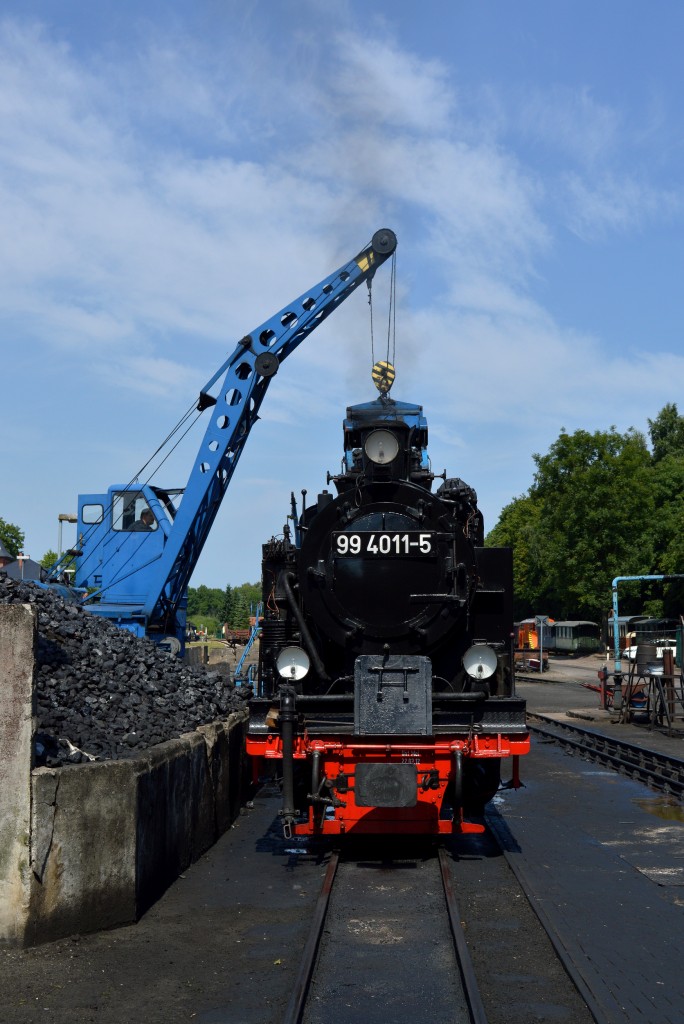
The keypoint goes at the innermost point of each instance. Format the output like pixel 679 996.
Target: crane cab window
pixel 169 501
pixel 131 513
pixel 92 514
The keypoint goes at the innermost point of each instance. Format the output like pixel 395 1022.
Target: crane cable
pixel 383 372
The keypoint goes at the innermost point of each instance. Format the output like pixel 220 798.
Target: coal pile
pixel 102 693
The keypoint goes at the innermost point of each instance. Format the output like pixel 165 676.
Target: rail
pixel 465 964
pixel 309 966
pixel 300 989
pixel 661 771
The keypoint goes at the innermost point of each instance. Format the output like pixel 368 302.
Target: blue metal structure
pixel 254 633
pixel 141 570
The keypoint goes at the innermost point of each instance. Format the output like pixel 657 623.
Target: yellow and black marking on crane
pixel 383 376
pixel 365 261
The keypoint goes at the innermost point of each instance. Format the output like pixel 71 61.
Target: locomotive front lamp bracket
pixel 381 447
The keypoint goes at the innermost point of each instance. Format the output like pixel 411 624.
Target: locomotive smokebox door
pixel 392 695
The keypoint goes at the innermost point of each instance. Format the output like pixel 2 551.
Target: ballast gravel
pixel 102 693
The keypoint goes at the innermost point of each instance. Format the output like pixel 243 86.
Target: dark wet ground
pixel 223 944
pixel 220 946
pixel 604 861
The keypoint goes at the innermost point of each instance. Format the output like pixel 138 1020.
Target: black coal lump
pixel 102 693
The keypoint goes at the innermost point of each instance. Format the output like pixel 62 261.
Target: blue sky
pixel 171 174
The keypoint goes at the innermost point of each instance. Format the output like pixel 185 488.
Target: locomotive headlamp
pixel 479 661
pixel 292 663
pixel 381 447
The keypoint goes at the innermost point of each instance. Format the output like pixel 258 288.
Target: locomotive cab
pixel 386 684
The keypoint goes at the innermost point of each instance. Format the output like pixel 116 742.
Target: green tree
pixel 667 433
pixel 517 528
pixel 595 524
pixel 233 605
pixel 49 558
pixel 12 537
pixel 667 444
pixel 247 597
pixel 668 536
pixel 228 610
pixel 589 516
pixel 205 601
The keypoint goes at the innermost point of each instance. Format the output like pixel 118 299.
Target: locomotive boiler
pixel 385 698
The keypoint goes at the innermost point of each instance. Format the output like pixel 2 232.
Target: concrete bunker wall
pixel 91 846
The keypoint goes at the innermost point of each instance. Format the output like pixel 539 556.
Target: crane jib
pixel 243 390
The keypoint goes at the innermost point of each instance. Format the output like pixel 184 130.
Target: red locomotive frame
pixel 435 765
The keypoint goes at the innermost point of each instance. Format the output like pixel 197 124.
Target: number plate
pixel 384 544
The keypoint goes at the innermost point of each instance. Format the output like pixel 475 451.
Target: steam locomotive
pixel 385 697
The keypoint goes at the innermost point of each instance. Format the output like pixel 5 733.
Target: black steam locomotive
pixel 385 691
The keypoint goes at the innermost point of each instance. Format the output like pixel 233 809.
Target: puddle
pixel 662 807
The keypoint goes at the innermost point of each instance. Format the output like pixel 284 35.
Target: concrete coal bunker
pixel 93 836
pixel 106 692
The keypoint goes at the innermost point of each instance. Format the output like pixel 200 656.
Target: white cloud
pixel 571 121
pixel 159 200
pixel 118 235
pixel 613 203
pixel 151 376
pixel 389 87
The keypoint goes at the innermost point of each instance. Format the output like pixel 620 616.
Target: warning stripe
pixel 383 376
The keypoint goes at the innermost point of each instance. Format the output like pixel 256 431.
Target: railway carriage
pixel 576 637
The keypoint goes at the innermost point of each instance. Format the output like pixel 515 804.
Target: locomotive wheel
pixel 480 783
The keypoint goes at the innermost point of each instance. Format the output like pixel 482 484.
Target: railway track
pixel 390 937
pixel 340 980
pixel 660 771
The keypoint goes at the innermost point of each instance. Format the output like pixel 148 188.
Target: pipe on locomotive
pixel 307 639
pixel 288 718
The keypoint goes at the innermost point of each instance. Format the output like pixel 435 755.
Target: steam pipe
pixel 304 629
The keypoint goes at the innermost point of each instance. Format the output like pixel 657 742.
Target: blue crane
pixel 138 544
